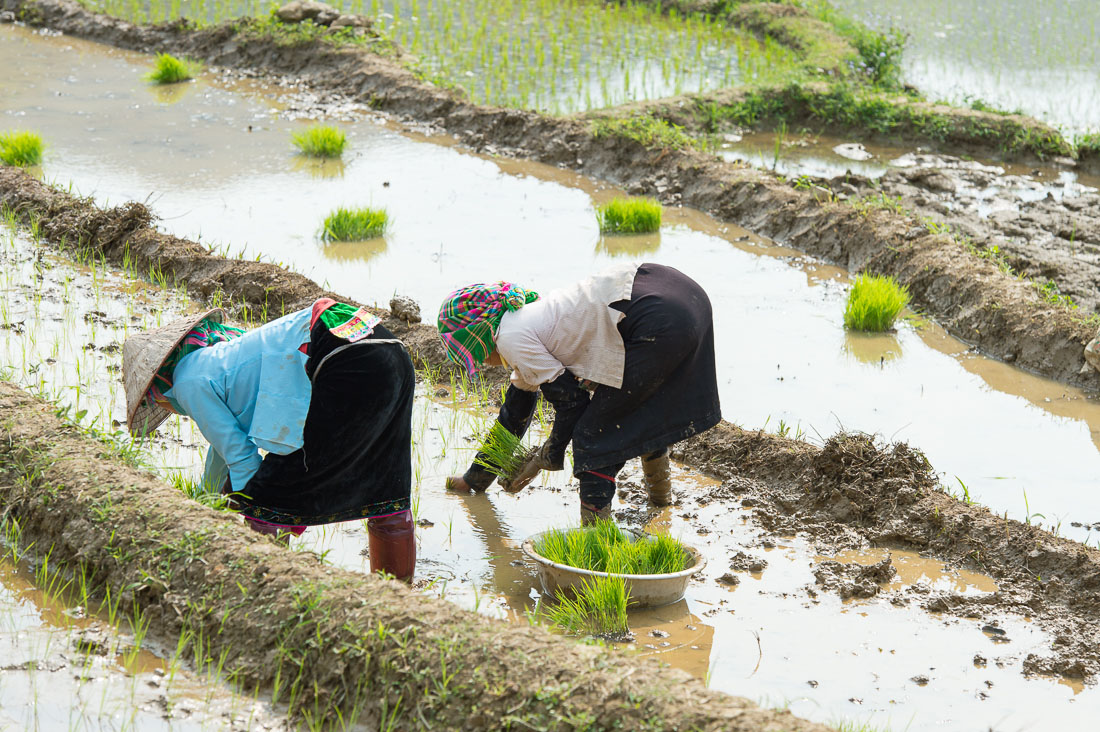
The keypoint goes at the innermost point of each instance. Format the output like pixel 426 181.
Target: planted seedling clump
pixel 320 141
pixel 20 148
pixel 355 224
pixel 874 303
pixel 629 216
pixel 171 70
pixel 599 608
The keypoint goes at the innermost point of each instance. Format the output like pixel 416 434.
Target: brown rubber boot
pixel 392 542
pixel 658 478
pixel 591 515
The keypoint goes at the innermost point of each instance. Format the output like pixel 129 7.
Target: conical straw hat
pixel 142 355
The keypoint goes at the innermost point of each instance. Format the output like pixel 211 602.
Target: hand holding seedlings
pixel 641 334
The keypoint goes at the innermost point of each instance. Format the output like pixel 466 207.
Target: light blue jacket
pixel 246 394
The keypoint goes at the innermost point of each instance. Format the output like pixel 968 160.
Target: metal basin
pixel 646 590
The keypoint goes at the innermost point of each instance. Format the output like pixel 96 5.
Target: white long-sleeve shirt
pixel 572 328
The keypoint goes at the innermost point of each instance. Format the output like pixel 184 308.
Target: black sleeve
pixel 515 416
pixel 569 400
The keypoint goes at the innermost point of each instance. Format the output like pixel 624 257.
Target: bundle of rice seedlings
pixel 21 148
pixel 171 70
pixel 355 224
pixel 598 608
pixel 604 547
pixel 501 453
pixel 629 216
pixel 874 303
pixel 320 141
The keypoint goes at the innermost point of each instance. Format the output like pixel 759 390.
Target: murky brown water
pixel 62 668
pixel 763 638
pixel 785 359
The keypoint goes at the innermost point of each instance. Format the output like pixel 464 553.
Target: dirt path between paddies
pixel 330 639
pixel 849 493
pixel 969 295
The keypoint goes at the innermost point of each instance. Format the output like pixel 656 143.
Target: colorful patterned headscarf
pixel 470 317
pixel 206 333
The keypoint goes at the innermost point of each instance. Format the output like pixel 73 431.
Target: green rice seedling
pixel 604 547
pixel 629 216
pixel 320 141
pixel 21 148
pixel 598 608
pixel 874 303
pixel 355 224
pixel 171 70
pixel 501 452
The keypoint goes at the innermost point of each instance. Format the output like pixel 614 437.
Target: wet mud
pixel 970 296
pixel 334 639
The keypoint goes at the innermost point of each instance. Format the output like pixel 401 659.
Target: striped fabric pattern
pixel 469 319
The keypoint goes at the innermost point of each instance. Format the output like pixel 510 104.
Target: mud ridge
pixel 854 490
pixel 968 295
pixel 342 640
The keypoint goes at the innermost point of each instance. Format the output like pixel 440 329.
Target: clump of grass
pixel 874 303
pixel 355 224
pixel 598 608
pixel 629 216
pixel 171 70
pixel 21 148
pixel 603 547
pixel 652 132
pixel 501 453
pixel 320 141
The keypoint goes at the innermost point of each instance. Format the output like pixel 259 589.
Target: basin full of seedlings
pixel 654 568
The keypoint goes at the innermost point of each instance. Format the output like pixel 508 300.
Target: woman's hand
pixel 536 462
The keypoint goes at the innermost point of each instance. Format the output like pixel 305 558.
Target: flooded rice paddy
pixel 1037 56
pixel 750 624
pixel 551 55
pixel 217 166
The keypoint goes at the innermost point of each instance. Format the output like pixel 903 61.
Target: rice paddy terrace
pixel 941 614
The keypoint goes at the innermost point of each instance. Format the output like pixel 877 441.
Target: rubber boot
pixel 658 478
pixel 590 515
pixel 392 545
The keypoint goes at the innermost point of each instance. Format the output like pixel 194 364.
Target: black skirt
pixel 670 388
pixel 356 460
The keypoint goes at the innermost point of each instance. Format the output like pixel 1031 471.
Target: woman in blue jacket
pixel 326 392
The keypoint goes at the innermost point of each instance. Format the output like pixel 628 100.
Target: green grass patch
pixel 629 216
pixel 171 70
pixel 320 141
pixel 874 303
pixel 1087 145
pixel 598 608
pixel 604 547
pixel 21 148
pixel 355 224
pixel 501 453
pixel 648 131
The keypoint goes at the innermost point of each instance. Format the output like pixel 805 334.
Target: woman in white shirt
pixel 626 357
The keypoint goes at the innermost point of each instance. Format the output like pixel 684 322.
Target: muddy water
pixel 66 669
pixel 762 638
pixel 1038 56
pixel 785 360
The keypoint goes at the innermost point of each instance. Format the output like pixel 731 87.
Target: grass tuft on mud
pixel 320 141
pixel 650 132
pixel 355 224
pixel 21 148
pixel 598 609
pixel 874 303
pixel 629 216
pixel 171 70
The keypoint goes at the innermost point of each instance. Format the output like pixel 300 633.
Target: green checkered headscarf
pixel 470 317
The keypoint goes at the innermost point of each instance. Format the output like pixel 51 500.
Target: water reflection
pixel 354 251
pixel 872 348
